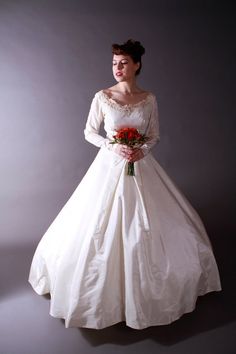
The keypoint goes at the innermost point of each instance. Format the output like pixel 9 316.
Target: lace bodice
pixel 142 115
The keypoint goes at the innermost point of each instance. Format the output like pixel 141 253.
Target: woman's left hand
pixel 137 154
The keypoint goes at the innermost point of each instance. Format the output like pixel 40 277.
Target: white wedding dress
pixel 124 248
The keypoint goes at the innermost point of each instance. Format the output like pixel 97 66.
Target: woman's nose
pixel 120 65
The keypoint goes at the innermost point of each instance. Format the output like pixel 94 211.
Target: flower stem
pixel 130 169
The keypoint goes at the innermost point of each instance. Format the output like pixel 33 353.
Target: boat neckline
pixel 126 104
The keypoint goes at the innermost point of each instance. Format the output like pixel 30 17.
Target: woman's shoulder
pixel 98 93
pixel 105 92
pixel 101 95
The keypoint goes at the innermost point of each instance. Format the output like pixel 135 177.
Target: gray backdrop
pixel 54 55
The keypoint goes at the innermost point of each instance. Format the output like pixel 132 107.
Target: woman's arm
pixel 94 120
pixel 153 130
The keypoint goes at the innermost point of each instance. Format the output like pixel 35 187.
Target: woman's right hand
pixel 123 150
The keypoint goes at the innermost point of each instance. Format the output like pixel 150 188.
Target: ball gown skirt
pixel 124 248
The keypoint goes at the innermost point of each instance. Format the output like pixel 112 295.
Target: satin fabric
pixel 124 248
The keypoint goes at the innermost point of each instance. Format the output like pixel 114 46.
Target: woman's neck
pixel 128 87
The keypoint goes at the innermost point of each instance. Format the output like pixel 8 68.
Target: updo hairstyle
pixel 132 48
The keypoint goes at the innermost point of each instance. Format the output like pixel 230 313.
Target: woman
pixel 124 247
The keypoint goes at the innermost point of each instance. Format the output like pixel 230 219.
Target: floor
pixel 27 328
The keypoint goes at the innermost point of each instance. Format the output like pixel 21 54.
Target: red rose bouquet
pixel 132 138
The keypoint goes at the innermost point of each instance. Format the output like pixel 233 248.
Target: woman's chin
pixel 120 79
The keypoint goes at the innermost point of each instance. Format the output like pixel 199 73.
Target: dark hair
pixel 132 48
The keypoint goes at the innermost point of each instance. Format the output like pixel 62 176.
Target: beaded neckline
pixel 127 106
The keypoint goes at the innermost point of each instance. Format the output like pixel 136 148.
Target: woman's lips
pixel 119 73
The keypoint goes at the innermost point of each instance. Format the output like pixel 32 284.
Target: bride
pixel 124 248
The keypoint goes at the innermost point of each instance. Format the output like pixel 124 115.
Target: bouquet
pixel 132 138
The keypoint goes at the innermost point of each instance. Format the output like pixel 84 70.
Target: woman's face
pixel 123 67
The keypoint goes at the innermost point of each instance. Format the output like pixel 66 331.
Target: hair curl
pixel 132 48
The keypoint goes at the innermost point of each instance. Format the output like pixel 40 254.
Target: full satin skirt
pixel 124 248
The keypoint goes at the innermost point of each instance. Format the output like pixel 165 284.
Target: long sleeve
pixel 153 129
pixel 94 120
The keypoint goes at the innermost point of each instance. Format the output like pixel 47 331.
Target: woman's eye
pixel 123 62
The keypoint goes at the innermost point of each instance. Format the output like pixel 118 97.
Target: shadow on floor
pixel 213 310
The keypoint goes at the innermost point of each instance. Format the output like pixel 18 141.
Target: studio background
pixel 54 56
